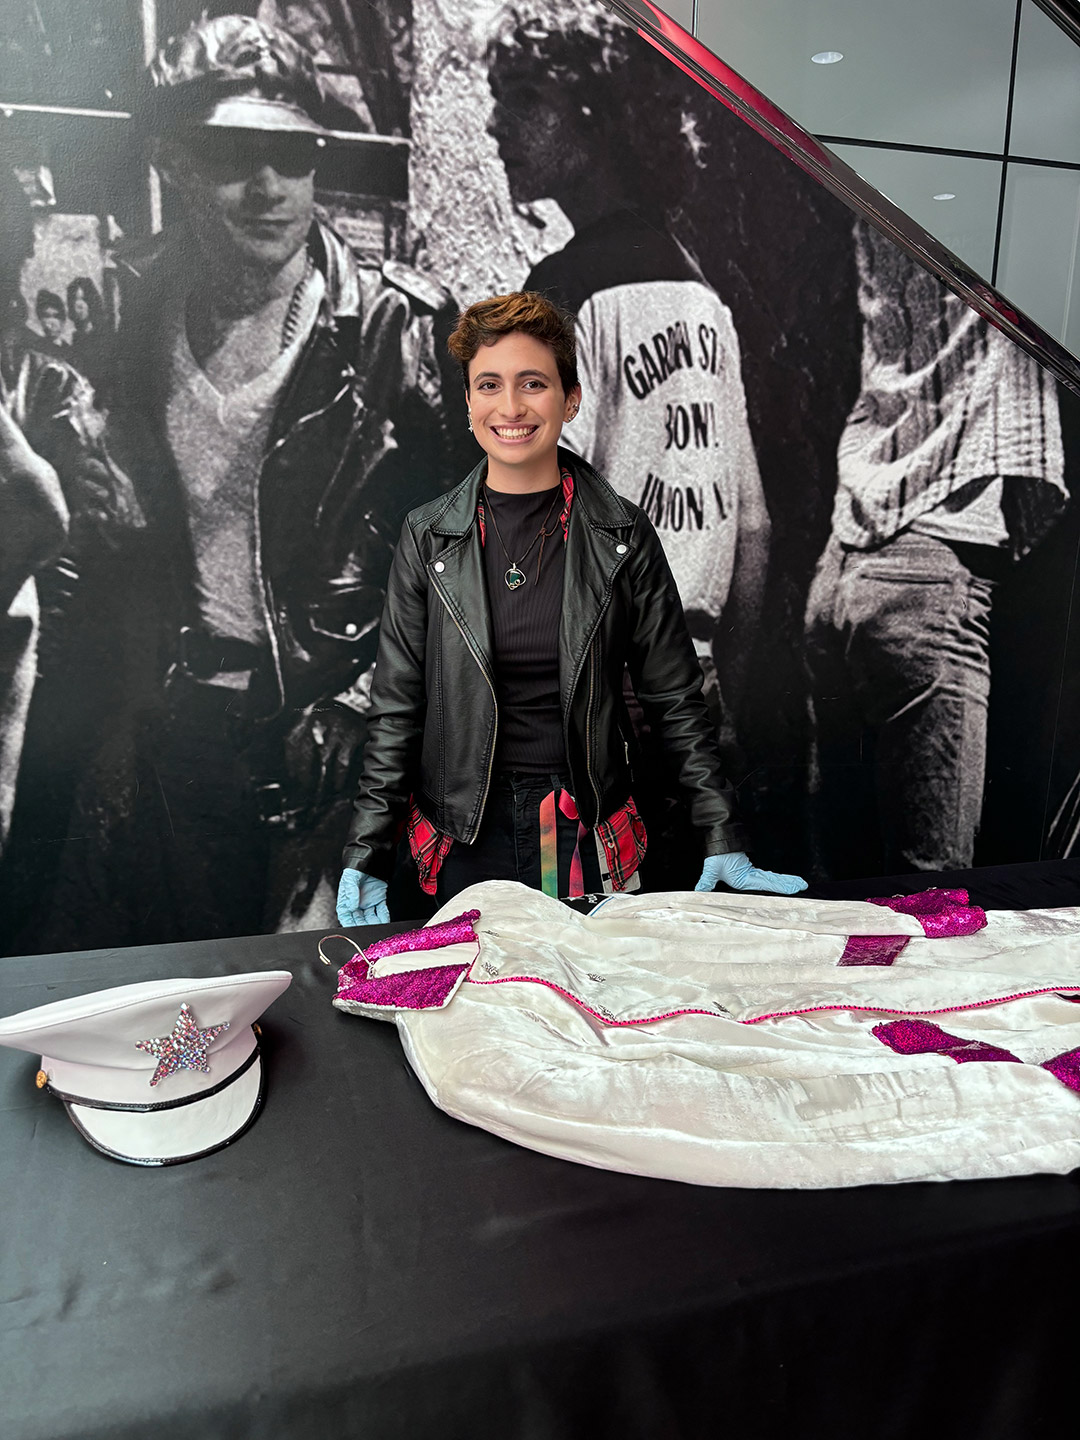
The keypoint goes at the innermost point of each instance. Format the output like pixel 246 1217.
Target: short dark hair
pixel 49 300
pixel 595 60
pixel 82 287
pixel 522 311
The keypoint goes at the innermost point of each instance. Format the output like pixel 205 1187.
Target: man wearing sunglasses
pixel 280 410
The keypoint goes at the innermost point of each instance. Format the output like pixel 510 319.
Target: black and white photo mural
pixel 233 240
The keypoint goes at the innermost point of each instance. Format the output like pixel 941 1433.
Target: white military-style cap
pixel 154 1073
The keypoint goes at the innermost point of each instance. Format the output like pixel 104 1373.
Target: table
pixel 360 1264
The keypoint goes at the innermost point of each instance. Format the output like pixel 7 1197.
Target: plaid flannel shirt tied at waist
pixel 622 841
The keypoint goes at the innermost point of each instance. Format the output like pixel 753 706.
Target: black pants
pixel 508 845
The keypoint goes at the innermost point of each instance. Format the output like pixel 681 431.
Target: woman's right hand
pixel 361 900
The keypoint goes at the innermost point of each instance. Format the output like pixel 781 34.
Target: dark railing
pixel 769 121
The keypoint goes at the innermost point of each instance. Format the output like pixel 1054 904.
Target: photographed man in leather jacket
pixel 279 410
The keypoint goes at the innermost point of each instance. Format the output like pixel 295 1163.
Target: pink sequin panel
pixel 431 937
pixel 410 990
pixel 921 1037
pixel 923 902
pixel 872 949
pixel 1065 1067
pixel 941 913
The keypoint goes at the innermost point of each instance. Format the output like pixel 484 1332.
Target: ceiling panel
pixel 1046 101
pixel 966 224
pixel 925 72
pixel 1040 239
pixel 680 10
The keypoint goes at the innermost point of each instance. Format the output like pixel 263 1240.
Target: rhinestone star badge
pixel 184 1049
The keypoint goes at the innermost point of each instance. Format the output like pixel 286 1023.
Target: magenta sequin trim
pixel 941 913
pixel 431 937
pixel 410 990
pixel 920 1037
pixel 1065 1068
pixel 425 989
pixel 872 949
pixel 923 902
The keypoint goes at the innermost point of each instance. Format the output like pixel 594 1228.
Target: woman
pixel 90 342
pixel 498 730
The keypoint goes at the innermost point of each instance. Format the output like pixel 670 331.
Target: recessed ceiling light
pixel 945 195
pixel 827 57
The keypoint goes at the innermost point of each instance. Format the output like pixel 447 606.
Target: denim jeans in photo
pixel 897 647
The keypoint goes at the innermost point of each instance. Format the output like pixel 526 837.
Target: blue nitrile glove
pixel 361 900
pixel 735 870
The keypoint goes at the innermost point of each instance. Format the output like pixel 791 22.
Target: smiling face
pixel 518 408
pixel 249 194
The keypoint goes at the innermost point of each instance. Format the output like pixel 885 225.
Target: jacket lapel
pixel 599 525
pixel 461 581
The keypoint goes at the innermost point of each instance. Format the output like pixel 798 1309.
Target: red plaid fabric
pixel 622 836
pixel 429 848
pixel 564 517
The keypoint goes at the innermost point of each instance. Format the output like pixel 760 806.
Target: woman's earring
pixel 469 421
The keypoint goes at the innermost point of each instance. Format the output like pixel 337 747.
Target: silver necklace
pixel 292 315
pixel 515 577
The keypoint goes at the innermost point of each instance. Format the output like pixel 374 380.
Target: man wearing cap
pixel 279 410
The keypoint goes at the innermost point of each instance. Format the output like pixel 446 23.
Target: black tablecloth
pixel 359 1264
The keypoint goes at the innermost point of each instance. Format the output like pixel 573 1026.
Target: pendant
pixel 514 577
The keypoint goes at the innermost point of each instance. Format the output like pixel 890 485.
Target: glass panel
pixel 1040 233
pixel 933 77
pixel 682 11
pixel 928 72
pixel 966 223
pixel 1046 100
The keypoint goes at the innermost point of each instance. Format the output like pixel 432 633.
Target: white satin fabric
pixel 727 1097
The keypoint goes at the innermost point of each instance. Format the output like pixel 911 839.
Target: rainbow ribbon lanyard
pixel 549 848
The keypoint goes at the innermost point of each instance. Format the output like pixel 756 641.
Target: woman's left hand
pixel 736 871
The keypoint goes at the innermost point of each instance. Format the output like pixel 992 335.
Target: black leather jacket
pixel 358 439
pixel 434 718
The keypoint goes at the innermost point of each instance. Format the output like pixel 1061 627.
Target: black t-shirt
pixel 525 627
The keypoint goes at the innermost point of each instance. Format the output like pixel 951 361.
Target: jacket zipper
pixel 590 652
pixel 269 601
pixel 588 731
pixel 494 703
